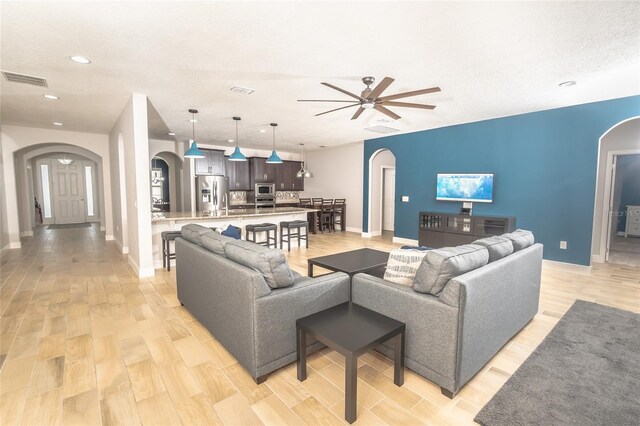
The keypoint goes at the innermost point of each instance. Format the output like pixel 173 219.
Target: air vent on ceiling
pixel 26 79
pixel 243 90
pixel 381 129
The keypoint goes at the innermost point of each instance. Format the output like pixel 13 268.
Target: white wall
pixel 337 173
pixel 15 138
pixel 382 159
pixel 132 126
pixel 625 136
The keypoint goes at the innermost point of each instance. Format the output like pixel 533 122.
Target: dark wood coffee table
pixel 350 262
pixel 351 330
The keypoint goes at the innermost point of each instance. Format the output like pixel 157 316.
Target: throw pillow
pixel 421 248
pixel 271 263
pixel 520 238
pixel 403 264
pixel 232 232
pixel 497 246
pixel 440 265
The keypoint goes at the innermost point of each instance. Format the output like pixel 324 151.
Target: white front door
pixel 388 199
pixel 68 193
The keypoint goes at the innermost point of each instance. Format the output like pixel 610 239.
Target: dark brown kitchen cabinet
pixel 261 172
pixel 239 175
pixel 213 163
pixel 286 177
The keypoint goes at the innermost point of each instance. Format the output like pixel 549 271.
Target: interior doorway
pixel 388 198
pixel 380 161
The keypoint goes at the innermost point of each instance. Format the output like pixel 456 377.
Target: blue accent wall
pixel 544 163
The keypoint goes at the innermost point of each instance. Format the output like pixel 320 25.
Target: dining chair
pixel 339 206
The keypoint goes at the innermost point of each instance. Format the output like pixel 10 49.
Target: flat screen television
pixel 475 188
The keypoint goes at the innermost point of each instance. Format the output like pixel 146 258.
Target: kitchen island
pixel 173 221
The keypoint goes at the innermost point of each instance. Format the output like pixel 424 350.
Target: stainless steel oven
pixel 265 195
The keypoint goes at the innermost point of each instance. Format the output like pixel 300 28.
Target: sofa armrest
pixel 432 326
pixel 275 314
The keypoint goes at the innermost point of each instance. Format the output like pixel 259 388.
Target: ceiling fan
pixel 370 98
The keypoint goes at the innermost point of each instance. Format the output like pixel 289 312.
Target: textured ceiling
pixel 490 59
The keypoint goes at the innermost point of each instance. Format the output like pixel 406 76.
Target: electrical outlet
pixel 405 198
pixel 563 245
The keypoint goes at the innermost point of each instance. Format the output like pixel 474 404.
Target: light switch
pixel 405 198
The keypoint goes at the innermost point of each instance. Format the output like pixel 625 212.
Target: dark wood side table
pixel 351 330
pixel 350 262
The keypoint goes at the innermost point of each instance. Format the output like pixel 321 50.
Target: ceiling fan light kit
pixel 193 151
pixel 237 155
pixel 370 98
pixel 274 158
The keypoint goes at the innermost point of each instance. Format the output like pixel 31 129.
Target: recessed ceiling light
pixel 80 59
pixel 263 131
pixel 54 97
pixel 230 140
pixel 567 83
pixel 56 123
pixel 171 134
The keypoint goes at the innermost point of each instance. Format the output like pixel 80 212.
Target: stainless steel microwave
pixel 263 189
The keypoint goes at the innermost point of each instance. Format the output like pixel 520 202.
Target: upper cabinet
pixel 261 171
pixel 212 164
pixel 239 175
pixel 286 177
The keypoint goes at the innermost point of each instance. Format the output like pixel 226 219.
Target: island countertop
pixel 231 213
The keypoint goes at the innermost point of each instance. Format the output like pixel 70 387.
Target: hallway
pixel 83 340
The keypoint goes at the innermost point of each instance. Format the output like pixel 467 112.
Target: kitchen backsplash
pixel 282 197
pixel 237 197
pixel 287 197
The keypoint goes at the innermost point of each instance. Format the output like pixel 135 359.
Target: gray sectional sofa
pixel 465 303
pixel 248 298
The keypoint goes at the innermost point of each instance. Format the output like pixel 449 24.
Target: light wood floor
pixel 84 341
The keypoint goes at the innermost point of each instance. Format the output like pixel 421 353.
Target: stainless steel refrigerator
pixel 212 193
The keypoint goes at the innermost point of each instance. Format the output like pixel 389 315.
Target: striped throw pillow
pixel 402 265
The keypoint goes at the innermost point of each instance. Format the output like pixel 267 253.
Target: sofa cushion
pixel 271 263
pixel 193 233
pixel 497 246
pixel 440 265
pixel 215 242
pixel 520 238
pixel 402 265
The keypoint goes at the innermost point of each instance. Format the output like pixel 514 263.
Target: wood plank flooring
pixel 83 341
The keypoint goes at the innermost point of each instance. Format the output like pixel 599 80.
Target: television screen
pixel 477 188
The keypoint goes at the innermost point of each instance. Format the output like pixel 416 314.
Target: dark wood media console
pixel 446 230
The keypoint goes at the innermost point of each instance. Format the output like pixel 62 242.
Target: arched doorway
pixel 381 207
pixel 621 140
pixel 167 182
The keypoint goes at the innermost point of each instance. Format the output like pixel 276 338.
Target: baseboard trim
pixel 350 229
pixel 109 238
pixel 568 267
pixel 26 234
pixel 405 241
pixel 123 249
pixel 141 272
pixel 15 245
pixel 102 228
pixel 598 258
pixel 366 235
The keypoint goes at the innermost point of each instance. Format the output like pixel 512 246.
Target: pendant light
pixel 193 152
pixel 274 158
pixel 303 173
pixel 237 155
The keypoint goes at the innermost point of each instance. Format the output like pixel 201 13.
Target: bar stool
pixel 294 224
pixel 263 227
pixel 167 237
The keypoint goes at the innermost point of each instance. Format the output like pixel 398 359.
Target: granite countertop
pixel 232 213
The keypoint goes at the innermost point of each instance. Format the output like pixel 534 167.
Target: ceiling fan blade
pixel 385 111
pixel 343 91
pixel 322 100
pixel 380 87
pixel 337 109
pixel 357 114
pixel 407 105
pixel 408 94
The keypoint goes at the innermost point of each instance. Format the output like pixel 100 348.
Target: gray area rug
pixel 585 372
pixel 70 226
